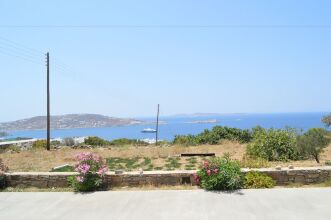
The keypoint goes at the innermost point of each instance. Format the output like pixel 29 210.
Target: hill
pixel 68 121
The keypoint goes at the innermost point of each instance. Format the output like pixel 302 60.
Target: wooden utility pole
pixel 157 124
pixel 48 146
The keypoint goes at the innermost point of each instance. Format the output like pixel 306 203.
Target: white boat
pixel 148 130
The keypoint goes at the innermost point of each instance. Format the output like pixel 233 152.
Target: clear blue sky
pixel 249 66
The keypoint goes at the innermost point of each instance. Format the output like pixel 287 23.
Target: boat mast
pixel 157 124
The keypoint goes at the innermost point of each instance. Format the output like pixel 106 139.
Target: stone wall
pixel 53 179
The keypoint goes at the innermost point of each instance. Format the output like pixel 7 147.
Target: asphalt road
pixel 280 204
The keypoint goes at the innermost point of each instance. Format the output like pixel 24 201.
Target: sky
pixel 122 58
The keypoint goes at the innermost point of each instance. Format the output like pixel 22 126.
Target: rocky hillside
pixel 68 121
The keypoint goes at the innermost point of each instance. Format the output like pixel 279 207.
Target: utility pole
pixel 48 146
pixel 157 124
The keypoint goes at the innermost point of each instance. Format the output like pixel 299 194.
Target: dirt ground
pixel 42 160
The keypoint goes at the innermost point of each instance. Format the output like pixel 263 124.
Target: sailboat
pixel 151 130
pixel 148 130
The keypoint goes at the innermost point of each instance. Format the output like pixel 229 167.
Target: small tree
pixel 327 120
pixel 312 143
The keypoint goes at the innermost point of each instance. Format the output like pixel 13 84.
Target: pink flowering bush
pixel 220 174
pixel 91 169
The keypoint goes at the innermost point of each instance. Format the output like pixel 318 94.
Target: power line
pixel 20 46
pixel 172 26
pixel 17 50
pixel 5 52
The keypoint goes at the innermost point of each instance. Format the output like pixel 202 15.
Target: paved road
pixel 280 204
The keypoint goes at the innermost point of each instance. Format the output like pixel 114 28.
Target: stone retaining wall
pixel 52 179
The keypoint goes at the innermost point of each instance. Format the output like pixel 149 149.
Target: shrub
pixel 10 148
pixel 328 163
pixel 256 180
pixel 91 169
pixel 233 134
pixel 214 136
pixel 55 143
pixel 312 143
pixel 126 141
pixel 273 145
pixel 95 141
pixel 39 144
pixel 186 140
pixel 220 174
pixel 327 120
pixel 69 141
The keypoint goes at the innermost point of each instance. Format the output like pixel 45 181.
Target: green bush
pixel 273 145
pixel 10 147
pixel 312 143
pixel 214 136
pixel 234 134
pixel 96 141
pixel 186 140
pixel 68 141
pixel 220 174
pixel 91 170
pixel 256 180
pixel 327 120
pixel 39 144
pixel 125 141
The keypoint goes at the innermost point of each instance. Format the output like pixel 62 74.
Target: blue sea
pixel 182 125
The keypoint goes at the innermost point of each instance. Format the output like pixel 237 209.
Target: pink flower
pixel 80 179
pixel 205 164
pixel 208 172
pixel 83 168
pixel 216 171
pixel 196 178
pixel 102 170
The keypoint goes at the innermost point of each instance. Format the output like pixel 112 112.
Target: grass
pixel 172 163
pixel 146 157
pixel 191 163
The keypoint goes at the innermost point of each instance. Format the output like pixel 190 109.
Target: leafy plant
pixel 69 141
pixel 125 141
pixel 172 163
pixel 256 180
pixel 312 143
pixel 273 145
pixel 39 144
pixel 214 136
pixel 91 169
pixel 95 141
pixel 220 174
pixel 327 120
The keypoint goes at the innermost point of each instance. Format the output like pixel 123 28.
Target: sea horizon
pixel 183 125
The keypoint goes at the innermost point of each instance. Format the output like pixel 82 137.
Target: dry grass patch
pixel 42 160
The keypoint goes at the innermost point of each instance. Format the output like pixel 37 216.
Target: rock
pixel 291 167
pixel 118 171
pixel 278 168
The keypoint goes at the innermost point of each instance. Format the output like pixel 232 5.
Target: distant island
pixel 68 121
pixel 202 121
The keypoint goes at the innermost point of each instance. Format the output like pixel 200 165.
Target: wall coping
pixel 187 172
